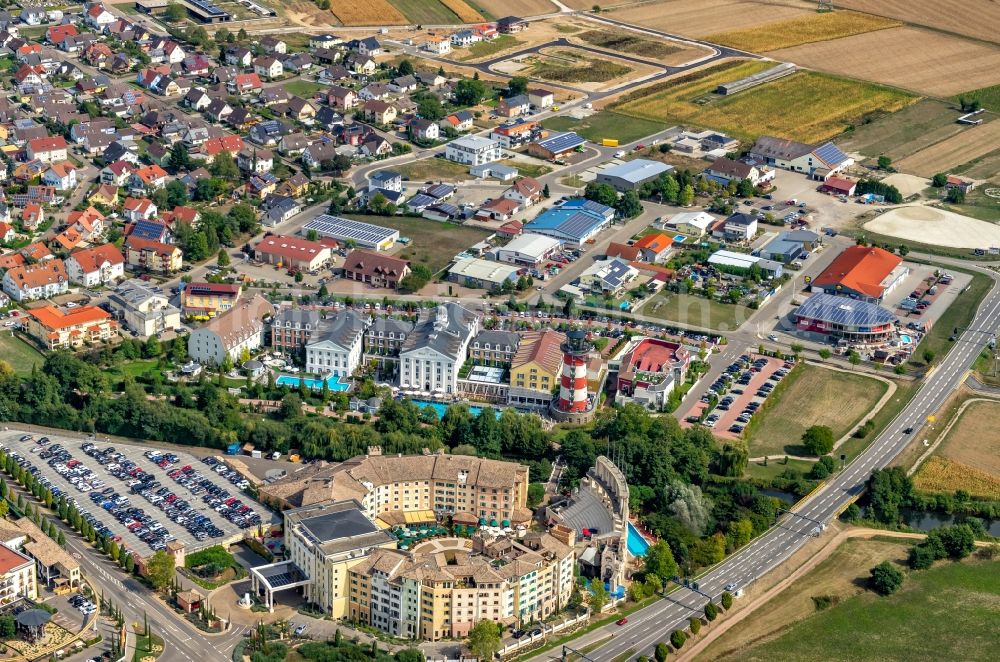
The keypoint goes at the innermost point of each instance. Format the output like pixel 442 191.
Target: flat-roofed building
pixel 528 249
pixel 142 309
pixel 631 175
pixel 473 150
pixel 344 230
pixel 482 274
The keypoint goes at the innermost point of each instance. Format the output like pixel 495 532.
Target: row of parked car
pixel 83 604
pixel 144 484
pixel 729 386
pixel 217 498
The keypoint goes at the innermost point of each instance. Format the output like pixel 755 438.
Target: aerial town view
pixel 482 330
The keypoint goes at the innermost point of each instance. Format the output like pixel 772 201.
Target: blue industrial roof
pixel 561 142
pixel 572 224
pixel 589 205
pixel 830 154
pixel 844 311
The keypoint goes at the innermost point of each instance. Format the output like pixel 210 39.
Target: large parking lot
pixel 143 498
pixel 741 391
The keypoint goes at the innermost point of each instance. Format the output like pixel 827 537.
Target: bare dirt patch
pixel 972 18
pixel 921 60
pixel 635 43
pixel 907 184
pixel 929 225
pixel 698 18
pixel 947 154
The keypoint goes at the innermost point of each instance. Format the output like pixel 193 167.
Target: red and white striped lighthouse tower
pixel 573 389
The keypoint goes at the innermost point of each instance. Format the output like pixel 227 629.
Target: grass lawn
pixel 528 169
pixel 988 97
pixel 825 105
pixel 430 12
pixel 776 467
pixel 978 205
pixel 20 355
pixel 695 311
pixel 135 369
pixel 606 124
pixel 303 88
pixel 801 30
pixel 905 132
pixel 959 314
pixel 905 391
pixel 948 612
pixel 813 395
pixel 487 48
pixel 148 647
pixel 434 169
pixel 433 243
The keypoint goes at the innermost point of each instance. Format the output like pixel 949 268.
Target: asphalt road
pixel 653 624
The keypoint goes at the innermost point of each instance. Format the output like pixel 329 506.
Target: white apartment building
pixel 436 348
pixel 336 347
pixel 473 150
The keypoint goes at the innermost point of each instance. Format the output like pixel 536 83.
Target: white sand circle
pixel 928 225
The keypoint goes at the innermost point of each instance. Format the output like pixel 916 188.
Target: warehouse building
pixel 631 175
pixel 292 252
pixel 556 145
pixel 575 222
pixel 734 260
pixel 862 272
pixel 528 250
pixel 483 274
pixel 364 235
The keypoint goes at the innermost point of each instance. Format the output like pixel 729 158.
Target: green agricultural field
pixel 695 311
pixel 988 97
pixel 20 355
pixel 430 12
pixel 606 124
pixel 948 612
pixel 824 105
pixel 813 395
pixel 432 243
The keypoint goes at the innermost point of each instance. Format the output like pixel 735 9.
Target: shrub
pixel 823 601
pixel 661 652
pixel 695 625
pixel 886 578
pixel 921 557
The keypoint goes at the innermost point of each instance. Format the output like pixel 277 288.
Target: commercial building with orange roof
pixel 654 247
pixel 535 370
pixel 292 252
pixel 649 369
pixel 57 328
pixel 862 272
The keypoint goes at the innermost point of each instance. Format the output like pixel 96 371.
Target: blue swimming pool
pixel 637 545
pixel 332 382
pixel 907 340
pixel 679 238
pixel 440 408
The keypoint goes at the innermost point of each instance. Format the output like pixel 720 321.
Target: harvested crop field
pixel 697 18
pixel 923 61
pixel 824 105
pixel 521 8
pixel 569 66
pixel 972 18
pixel 903 133
pixel 956 150
pixel 939 475
pixel 802 30
pixel 634 43
pixel 465 12
pixel 975 439
pixel 367 12
pixel 936 227
pixel 432 12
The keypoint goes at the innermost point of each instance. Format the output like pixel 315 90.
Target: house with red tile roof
pixel 138 209
pixel 148 179
pixel 862 272
pixel 36 281
pixel 654 247
pixel 7 232
pixel 99 265
pixel 89 223
pixel 48 150
pixel 32 216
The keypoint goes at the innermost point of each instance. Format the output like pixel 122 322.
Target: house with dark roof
pixel 724 170
pixel 817 162
pixel 437 347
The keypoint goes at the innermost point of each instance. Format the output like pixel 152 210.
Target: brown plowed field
pixel 945 155
pixel 523 8
pixel 920 60
pixel 698 18
pixel 974 18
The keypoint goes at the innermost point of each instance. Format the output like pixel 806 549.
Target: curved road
pixel 653 624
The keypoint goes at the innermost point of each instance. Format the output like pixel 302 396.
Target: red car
pixel 621 621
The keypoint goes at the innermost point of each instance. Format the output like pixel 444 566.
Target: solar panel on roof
pixel 846 312
pixel 831 154
pixel 345 228
pixel 148 230
pixel 561 142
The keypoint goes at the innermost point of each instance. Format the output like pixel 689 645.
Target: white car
pixel 773 338
pixel 620 153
